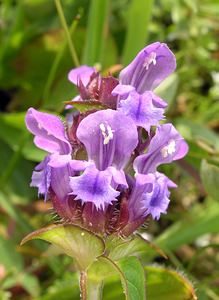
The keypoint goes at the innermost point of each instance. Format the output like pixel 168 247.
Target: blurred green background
pixel 35 57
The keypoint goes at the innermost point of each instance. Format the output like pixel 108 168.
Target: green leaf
pixel 14 184
pixel 101 269
pixel 134 278
pixel 136 245
pixel 138 18
pixel 130 271
pixel 200 219
pixel 197 132
pixel 67 289
pixel 210 179
pixel 166 284
pixel 5 295
pixel 13 124
pixel 84 106
pixel 167 89
pixel 95 31
pixel 113 290
pixel 74 241
pixel 14 213
pixel 30 283
pixel 9 257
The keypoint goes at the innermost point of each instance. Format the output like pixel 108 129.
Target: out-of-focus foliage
pixel 34 62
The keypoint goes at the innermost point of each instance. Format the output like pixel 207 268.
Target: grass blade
pixel 68 36
pixel 56 63
pixel 139 15
pixel 95 31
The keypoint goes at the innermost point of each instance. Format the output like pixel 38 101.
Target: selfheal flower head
pixel 149 68
pixel 101 168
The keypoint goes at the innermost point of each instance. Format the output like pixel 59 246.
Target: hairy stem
pixel 83 285
pixel 90 290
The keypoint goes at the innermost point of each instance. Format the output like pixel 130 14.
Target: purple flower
pixel 109 138
pixel 100 192
pixel 82 73
pixel 149 68
pixel 149 196
pixel 94 186
pixel 135 98
pixel 166 145
pixel 146 110
pixel 46 177
pixel 49 132
pixel 50 136
pixel 157 201
pixel 150 191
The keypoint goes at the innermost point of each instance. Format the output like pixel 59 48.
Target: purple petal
pixel 149 68
pixel 49 132
pixel 41 177
pixel 149 196
pixel 156 202
pixel 49 174
pixel 158 102
pixel 57 161
pixel 82 73
pixel 60 181
pixel 118 177
pixel 94 186
pixel 109 137
pixel 143 109
pixel 167 145
pixel 142 184
pixel 123 90
pixel 54 172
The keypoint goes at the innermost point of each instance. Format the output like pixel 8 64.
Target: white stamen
pixel 110 131
pixel 102 127
pixel 39 126
pixel 107 133
pixel 169 149
pixel 151 59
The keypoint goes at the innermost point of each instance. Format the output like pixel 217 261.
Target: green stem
pixel 90 290
pixel 83 285
pixel 94 290
pixel 68 36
